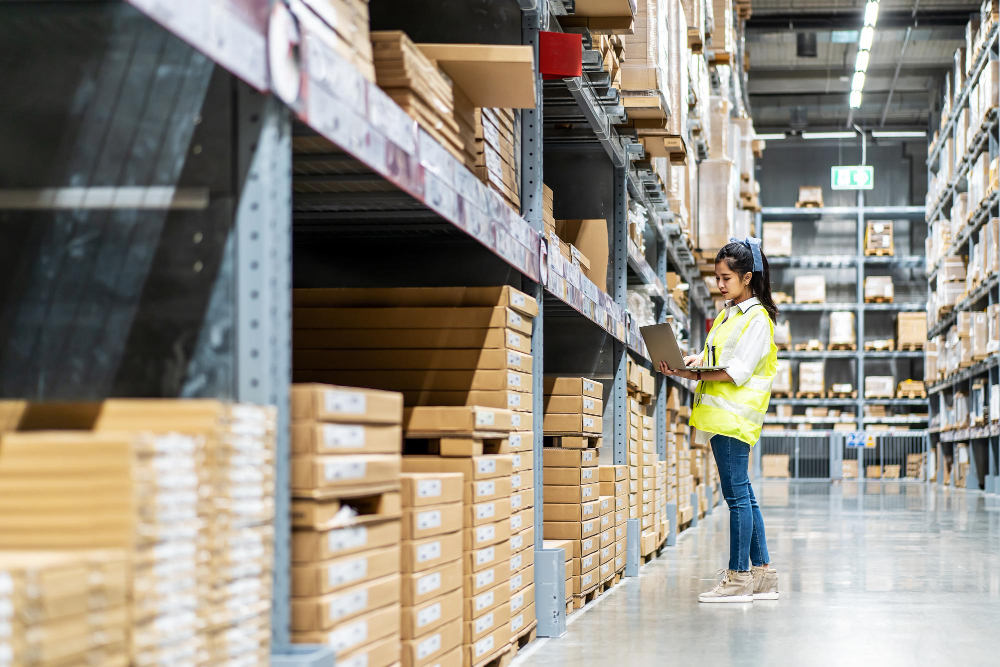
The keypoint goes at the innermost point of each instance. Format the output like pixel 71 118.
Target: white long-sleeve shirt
pixel 751 347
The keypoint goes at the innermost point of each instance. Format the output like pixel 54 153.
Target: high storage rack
pixel 979 437
pixel 842 271
pixel 160 225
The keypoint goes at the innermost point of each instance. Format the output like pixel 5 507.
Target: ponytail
pixel 739 256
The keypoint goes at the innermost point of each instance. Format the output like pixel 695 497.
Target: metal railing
pixel 832 455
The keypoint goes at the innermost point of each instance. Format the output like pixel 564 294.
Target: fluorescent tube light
pixel 871 13
pixel 855 99
pixel 861 64
pixel 858 83
pixel 867 37
pixel 899 134
pixel 829 135
pixel 777 136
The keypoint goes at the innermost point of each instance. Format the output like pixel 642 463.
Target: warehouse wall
pixel 900 171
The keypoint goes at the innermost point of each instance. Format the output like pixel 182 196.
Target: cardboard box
pixel 475 628
pixel 473 467
pixel 521 579
pixel 879 288
pixel 430 552
pixel 571 494
pixel 483 648
pixel 810 289
pixel 430 615
pixel 430 421
pixel 485 535
pixel 381 653
pixel 476 583
pixel 357 632
pixel 481 603
pixel 411 318
pixel 616 473
pixel 496 338
pixel 522 500
pixel 878 237
pixel 503 295
pixel 486 512
pixel 412 360
pixel 613 488
pixel 812 377
pixel 316 614
pixel 522 559
pixel 559 424
pixel 842 328
pixel 328 403
pixel 777 240
pixel 573 386
pixel 313 438
pixel 366 506
pixel 443 642
pixel 521 539
pixel 572 511
pixel 514 399
pixel 419 587
pixel 487 489
pixel 571 530
pixel 880 386
pixel 322 578
pixel 911 328
pixel 555 457
pixel 521 441
pixel 522 461
pixel 591 237
pixel 417 382
pixel 312 474
pixel 316 545
pixel 481 559
pixel 519 481
pixel 581 405
pixel 421 522
pixel 423 489
pixel 811 194
pixel 569 476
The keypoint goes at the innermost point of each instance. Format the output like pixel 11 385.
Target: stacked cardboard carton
pixel 614 485
pixel 812 378
pixel 879 289
pixel 810 289
pixel 438 346
pixel 350 36
pixel 432 569
pixel 498 153
pixel 777 239
pixel 64 607
pixel 484 540
pixel 345 478
pixel 878 237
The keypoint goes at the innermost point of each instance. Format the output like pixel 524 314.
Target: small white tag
pixel 588 526
pixel 347 538
pixel 351 604
pixel 429 646
pixel 516 520
pixel 515 481
pixel 587 473
pixel 354 570
pixel 344 402
pixel 516 602
pixel 485 510
pixel 605 520
pixel 587 562
pixel 354 634
pixel 515 460
pixel 486 466
pixel 588 510
pixel 513 380
pixel 484 646
pixel 429 488
pixel 513 400
pixel 513 359
pixel 517 299
pixel 515 501
pixel 588 404
pixel 588 422
pixel 588 385
pixel 515 562
pixel 486 555
pixel 429 615
pixel 588 543
pixel 484 622
pixel 485 418
pixel 485 533
pixel 588 492
pixel 516 542
pixel 588 456
pixel 515 582
pixel 516 623
pixel 487 488
pixel 587 578
pixel 515 421
pixel 337 471
pixel 343 435
pixel 429 519
pixel 429 551
pixel 485 578
pixel 484 601
pixel 428 583
pixel 515 319
pixel 514 339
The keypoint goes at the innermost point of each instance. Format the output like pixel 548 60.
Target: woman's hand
pixel 692 360
pixel 690 375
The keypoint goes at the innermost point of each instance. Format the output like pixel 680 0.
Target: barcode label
pixel 513 380
pixel 517 298
pixel 588 492
pixel 516 542
pixel 337 471
pixel 515 582
pixel 515 562
pixel 343 573
pixel 515 501
pixel 515 481
pixel 587 473
pixel 588 510
pixel 485 418
pixel 588 385
pixel 513 400
pixel 486 466
pixel 513 339
pixel 485 578
pixel 588 456
pixel 588 404
pixel 587 562
pixel 513 359
pixel 484 646
pixel 588 422
pixel 516 602
pixel 485 533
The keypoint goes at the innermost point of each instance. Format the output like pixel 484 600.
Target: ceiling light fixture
pixel 871 13
pixel 899 134
pixel 828 135
pixel 866 39
pixel 858 82
pixel 776 136
pixel 861 64
pixel 855 99
pixel 865 42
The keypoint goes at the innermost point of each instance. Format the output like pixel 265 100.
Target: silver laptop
pixel 662 346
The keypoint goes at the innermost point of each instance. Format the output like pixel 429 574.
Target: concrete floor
pixel 888 574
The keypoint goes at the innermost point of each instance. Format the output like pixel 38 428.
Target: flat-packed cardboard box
pixel 522 599
pixel 357 632
pixel 513 399
pixel 423 489
pixel 430 421
pixel 421 522
pixel 523 422
pixel 327 438
pixel 572 511
pixel 842 328
pixel 419 587
pixel 496 338
pixel 521 579
pixel 591 237
pixel 382 653
pixel 615 473
pixel 581 405
pixel 430 552
pixel 810 289
pixel 522 500
pixel 486 512
pixel 485 535
pixel 439 643
pixel 316 545
pixel 325 577
pixel 559 424
pixel 521 441
pixel 522 530
pixel 318 475
pixel 411 318
pixel 481 559
pixel 911 328
pixel 614 488
pixel 320 613
pixel 367 505
pixel 482 603
pixel 473 467
pixel 503 295
pixel 430 615
pixel 328 403
pixel 522 559
pixel 521 461
pixel 569 476
pixel 519 481
pixel 587 581
pixel 571 530
pixel 777 240
pixel 573 386
pixel 483 648
pixel 555 457
pixel 571 494
pixel 416 382
pixel 487 489
pixel 476 583
pixel 412 360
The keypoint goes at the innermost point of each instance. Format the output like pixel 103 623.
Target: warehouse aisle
pixel 896 575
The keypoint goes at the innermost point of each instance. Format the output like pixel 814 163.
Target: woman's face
pixel 731 284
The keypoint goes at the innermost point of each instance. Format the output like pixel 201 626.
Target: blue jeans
pixel 746 525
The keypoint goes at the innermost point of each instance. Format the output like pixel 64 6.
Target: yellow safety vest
pixel 722 407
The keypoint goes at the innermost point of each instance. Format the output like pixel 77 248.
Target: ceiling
pixel 792 92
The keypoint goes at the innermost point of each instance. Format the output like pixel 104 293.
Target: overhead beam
pixel 802 20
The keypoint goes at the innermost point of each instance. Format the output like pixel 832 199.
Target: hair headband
pixel 754 246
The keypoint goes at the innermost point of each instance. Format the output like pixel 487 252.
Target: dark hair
pixel 739 258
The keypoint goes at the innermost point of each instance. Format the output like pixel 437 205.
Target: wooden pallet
pixel 810 394
pixel 912 394
pixel 879 252
pixel 881 345
pixel 872 394
pixel 458 445
pixel 848 347
pixel 812 346
pixel 574 441
pixel 843 394
pixel 499 658
pixel 579 601
pixel 808 204
pixel 525 637
pixel 809 301
pixel 780 394
pixel 786 347
pixel 878 299
pixel 570 607
pixel 606 585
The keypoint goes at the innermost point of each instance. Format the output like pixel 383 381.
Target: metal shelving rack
pixel 197 146
pixel 984 441
pixel 860 263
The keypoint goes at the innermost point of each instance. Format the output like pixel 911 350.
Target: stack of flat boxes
pixel 572 512
pixel 432 569
pixel 660 512
pixel 522 531
pixel 485 547
pixel 346 511
pixel 614 485
pixel 498 149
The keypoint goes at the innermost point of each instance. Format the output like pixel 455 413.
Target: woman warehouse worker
pixel 729 407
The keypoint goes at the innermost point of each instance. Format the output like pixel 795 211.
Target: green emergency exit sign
pixel 857 177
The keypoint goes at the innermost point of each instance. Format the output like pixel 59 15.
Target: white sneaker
pixel 765 583
pixel 734 587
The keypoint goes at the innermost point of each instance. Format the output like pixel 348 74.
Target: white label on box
pixel 428 583
pixel 515 582
pixel 587 562
pixel 515 481
pixel 605 569
pixel 514 318
pixel 485 578
pixel 605 520
pixel 335 471
pixel 513 400
pixel 513 380
pixel 589 542
pixel 515 501
pixel 517 298
pixel 486 466
pixel 514 339
pixel 486 533
pixel 485 555
pixel 344 638
pixel 487 488
pixel 588 404
pixel 515 562
pixel 588 385
pixel 516 460
pixel 516 521
pixel 588 492
pixel 429 551
pixel 351 604
pixel 515 438
pixel 484 646
pixel 516 542
pixel 429 615
pixel 342 435
pixel 517 623
pixel 347 538
pixel 429 646
pixel 513 359
pixel 485 417
pixel 619 561
pixel 485 601
pixel 353 570
pixel 344 402
pixel 356 661
pixel 484 622
pixel 485 510
pixel 588 510
pixel 588 422
pixel 587 578
pixel 588 456
pixel 605 553
pixel 587 473
pixel 429 488
pixel 429 519
pixel 605 504
pixel 516 602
